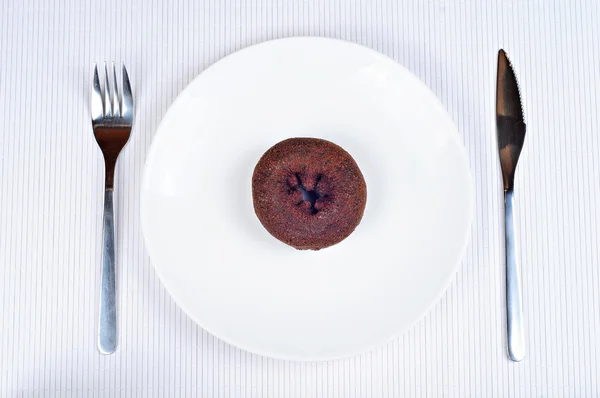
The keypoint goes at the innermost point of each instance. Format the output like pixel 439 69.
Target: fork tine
pixel 127 109
pixel 107 95
pixel 115 98
pixel 96 106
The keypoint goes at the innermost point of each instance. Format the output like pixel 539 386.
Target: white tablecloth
pixel 51 198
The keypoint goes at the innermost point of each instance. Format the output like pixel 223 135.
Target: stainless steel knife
pixel 510 127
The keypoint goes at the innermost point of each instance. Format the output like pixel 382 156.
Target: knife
pixel 510 127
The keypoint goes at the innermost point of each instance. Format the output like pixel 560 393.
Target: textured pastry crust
pixel 308 193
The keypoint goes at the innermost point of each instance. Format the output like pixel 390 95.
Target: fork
pixel 112 119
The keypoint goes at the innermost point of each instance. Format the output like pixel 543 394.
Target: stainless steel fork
pixel 112 119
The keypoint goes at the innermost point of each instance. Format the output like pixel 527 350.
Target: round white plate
pixel 249 289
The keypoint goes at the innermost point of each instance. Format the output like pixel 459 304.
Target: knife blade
pixel 510 128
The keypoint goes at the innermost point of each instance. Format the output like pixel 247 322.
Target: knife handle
pixel 107 331
pixel 514 296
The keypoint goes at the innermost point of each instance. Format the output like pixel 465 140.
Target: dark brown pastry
pixel 308 193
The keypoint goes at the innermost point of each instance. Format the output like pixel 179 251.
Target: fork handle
pixel 514 305
pixel 107 333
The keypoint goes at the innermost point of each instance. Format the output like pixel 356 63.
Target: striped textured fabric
pixel 51 198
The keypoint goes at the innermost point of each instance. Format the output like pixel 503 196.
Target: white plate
pixel 247 288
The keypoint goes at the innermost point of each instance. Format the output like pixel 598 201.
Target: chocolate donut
pixel 308 193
